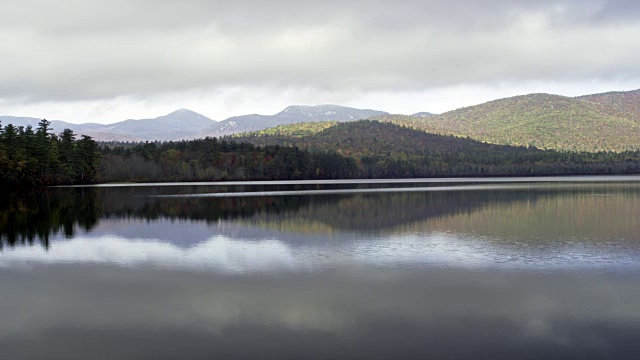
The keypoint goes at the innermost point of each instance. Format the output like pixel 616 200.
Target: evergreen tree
pixel 68 154
pixel 88 156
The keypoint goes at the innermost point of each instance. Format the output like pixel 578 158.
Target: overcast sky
pixel 105 61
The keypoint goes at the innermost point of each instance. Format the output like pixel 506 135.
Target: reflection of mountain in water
pixel 580 216
pixel 584 212
pixel 591 212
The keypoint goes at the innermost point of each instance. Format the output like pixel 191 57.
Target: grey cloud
pixel 122 15
pixel 94 50
pixel 608 11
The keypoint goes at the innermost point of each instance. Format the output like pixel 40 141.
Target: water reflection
pixel 543 226
pixel 34 215
pixel 233 255
pixel 106 313
pixel 502 272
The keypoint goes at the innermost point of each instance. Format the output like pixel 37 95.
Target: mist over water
pixel 279 270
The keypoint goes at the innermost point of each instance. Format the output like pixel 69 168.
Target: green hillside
pixel 371 138
pixel 540 120
pixel 624 101
pixel 293 130
pixel 382 149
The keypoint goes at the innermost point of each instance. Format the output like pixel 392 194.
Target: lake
pixel 505 268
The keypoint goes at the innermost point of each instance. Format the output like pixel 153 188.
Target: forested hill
pixel 372 138
pixel 382 149
pixel 593 123
pixel 623 101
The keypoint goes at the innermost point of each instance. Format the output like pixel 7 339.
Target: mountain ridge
pixel 423 114
pixel 290 115
pixel 607 121
pixel 626 101
pixel 177 124
pixel 186 124
pixel 542 120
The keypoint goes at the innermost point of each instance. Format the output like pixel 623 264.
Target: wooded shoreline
pixel 356 150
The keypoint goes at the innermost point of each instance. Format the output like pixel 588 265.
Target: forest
pixel 386 150
pixel 360 149
pixel 39 157
pixel 593 123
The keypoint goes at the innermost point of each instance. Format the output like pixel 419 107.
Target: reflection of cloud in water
pixel 221 253
pixel 381 312
pixel 218 253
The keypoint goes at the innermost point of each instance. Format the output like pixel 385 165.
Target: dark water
pixel 457 270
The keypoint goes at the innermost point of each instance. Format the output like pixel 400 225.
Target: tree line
pixel 213 159
pixel 37 156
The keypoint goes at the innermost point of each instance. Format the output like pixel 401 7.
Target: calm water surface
pixel 449 269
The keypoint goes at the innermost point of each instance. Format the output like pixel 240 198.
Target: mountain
pixel 624 101
pixel 293 130
pixel 371 138
pixel 26 121
pixel 423 114
pixel 540 120
pixel 186 124
pixel 608 121
pixel 290 115
pixel 178 124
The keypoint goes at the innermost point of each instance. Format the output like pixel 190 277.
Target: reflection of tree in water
pixel 142 203
pixel 35 215
pixel 27 217
pixel 356 212
pixel 519 211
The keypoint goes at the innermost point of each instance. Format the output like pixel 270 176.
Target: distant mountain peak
pixel 423 114
pixel 183 112
pixel 322 109
pixel 289 115
pixel 302 108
